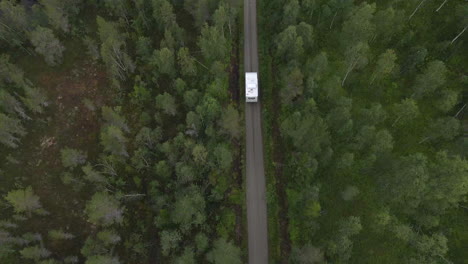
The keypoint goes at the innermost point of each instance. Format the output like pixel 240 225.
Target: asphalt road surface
pixel 255 175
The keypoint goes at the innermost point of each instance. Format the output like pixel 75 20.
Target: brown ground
pixel 66 122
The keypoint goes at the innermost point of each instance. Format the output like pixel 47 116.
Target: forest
pixel 122 131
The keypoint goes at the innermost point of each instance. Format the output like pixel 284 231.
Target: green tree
pixel 10 105
pixel 444 128
pixel 191 98
pixel 113 118
pixel 199 9
pixel 230 122
pixel 144 48
pixel 164 61
pixel 341 246
pixel 199 154
pixel 92 48
pixel 186 62
pixel 290 13
pixel 306 130
pixel 13 23
pixel 293 85
pixel 406 183
pixel 113 141
pixel 170 240
pixel 214 46
pixel 289 45
pixel 59 234
pixel 34 99
pixel 388 23
pixel 224 252
pixel 102 259
pixel 349 193
pixel 45 43
pixel 448 182
pixel 56 12
pixel 223 157
pixel 318 66
pixel 405 111
pixel 189 209
pixel 432 78
pixel 34 252
pixel 120 8
pixel 108 237
pixel 166 102
pixel 104 210
pixel 163 13
pixel 307 254
pixel 358 27
pixel 225 16
pixel 72 157
pixel 416 58
pixel 339 119
pixel 92 175
pixel 187 257
pixel 446 100
pixel 118 62
pixel 10 131
pixel 429 249
pixel 24 201
pixel 355 58
pixel 385 65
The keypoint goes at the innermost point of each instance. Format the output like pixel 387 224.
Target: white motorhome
pixel 251 87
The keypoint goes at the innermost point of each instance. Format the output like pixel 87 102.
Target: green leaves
pixel 431 79
pixel 213 44
pixel 166 102
pixel 224 252
pixel 24 201
pixel 104 210
pixel 72 157
pixel 11 130
pixel 164 61
pixel 47 45
pixel 289 45
pixel 358 27
pixel 113 141
pixel 118 62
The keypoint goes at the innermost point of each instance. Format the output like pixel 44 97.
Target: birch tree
pixel 46 44
pixel 104 210
pixel 24 201
pixel 11 130
pixel 118 62
pixel 385 65
pixel 355 58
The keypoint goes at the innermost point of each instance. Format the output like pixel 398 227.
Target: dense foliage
pixel 121 131
pixel 366 104
pixel 134 167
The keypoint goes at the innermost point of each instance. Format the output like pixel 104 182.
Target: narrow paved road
pixel 256 190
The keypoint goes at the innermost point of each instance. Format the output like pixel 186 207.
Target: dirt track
pixel 255 175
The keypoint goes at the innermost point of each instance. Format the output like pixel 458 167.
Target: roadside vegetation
pixel 121 131
pixel 365 110
pixel 117 127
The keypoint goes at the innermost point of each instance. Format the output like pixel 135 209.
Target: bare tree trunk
pixel 417 8
pixel 424 140
pixel 463 107
pixel 441 5
pixel 398 119
pixel 333 20
pixel 374 76
pixel 134 195
pixel 458 35
pixel 202 65
pixel 351 67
